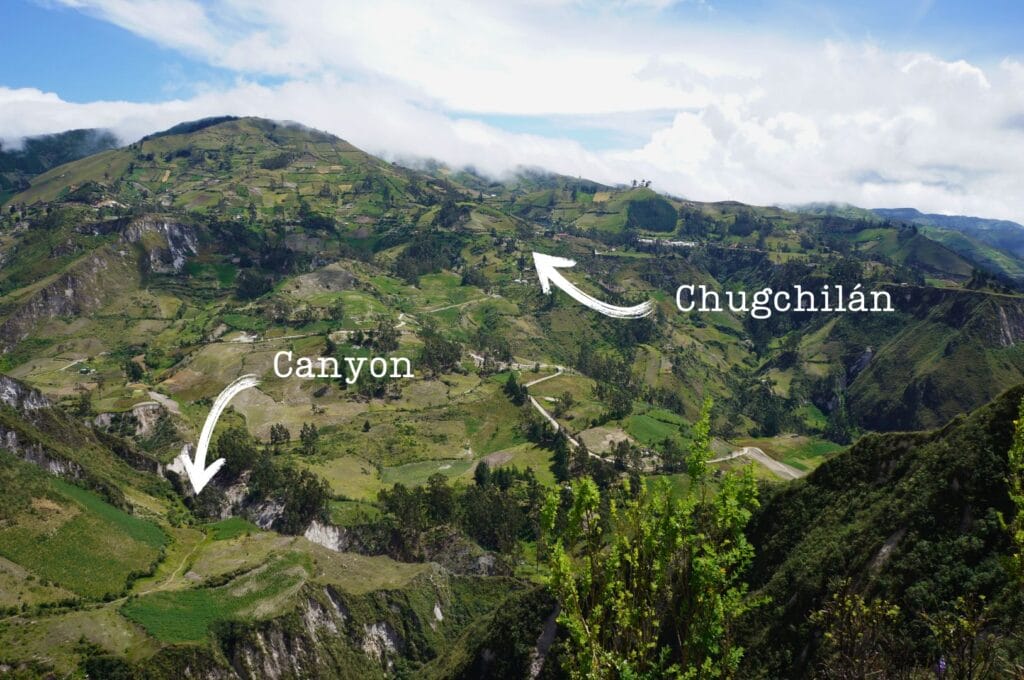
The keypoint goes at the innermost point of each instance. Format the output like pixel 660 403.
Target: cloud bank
pixel 752 117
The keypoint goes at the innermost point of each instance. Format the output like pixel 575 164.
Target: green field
pixel 186 615
pixel 72 538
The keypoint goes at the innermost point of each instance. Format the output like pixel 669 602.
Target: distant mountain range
pixel 38 154
pixel 995 245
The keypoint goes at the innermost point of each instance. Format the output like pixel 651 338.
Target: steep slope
pixel 911 518
pixel 36 155
pixel 1001 234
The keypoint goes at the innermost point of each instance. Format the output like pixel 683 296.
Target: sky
pixel 770 102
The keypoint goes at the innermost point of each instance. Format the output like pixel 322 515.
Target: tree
pixel 439 354
pixel 440 499
pixel 309 438
pixel 366 425
pixel 336 311
pixel 482 473
pixel 968 648
pixel 238 449
pixel 384 337
pixel 133 371
pixel 1015 482
pixel 279 435
pixel 84 405
pixel 516 393
pixel 564 403
pixel 560 458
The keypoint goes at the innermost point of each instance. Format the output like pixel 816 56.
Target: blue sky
pixel 767 101
pixel 84 58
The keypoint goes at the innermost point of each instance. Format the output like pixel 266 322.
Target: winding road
pixel 780 469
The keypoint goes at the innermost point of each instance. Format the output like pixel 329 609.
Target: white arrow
pixel 547 272
pixel 198 473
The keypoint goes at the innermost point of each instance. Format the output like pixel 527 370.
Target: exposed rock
pixel 88 283
pixel 146 413
pixel 179 243
pixel 36 453
pixel 381 642
pixel 886 550
pixel 265 514
pixel 81 289
pixel 21 397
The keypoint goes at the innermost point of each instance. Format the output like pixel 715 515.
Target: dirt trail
pixel 165 401
pixel 780 469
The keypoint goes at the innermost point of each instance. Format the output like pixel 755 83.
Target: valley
pixel 436 443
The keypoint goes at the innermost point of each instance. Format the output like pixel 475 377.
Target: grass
pixel 72 538
pixel 232 527
pixel 55 639
pixel 525 456
pixel 413 474
pixel 187 615
pixel 350 513
pixel 349 476
pixel 802 452
pixel 654 426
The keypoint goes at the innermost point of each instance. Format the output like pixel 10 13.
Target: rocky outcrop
pixel 28 405
pixel 78 290
pixel 146 414
pixel 167 243
pixel 97 277
pixel 444 546
pixel 20 396
pixel 37 454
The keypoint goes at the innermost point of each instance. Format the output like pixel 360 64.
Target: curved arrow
pixel 547 271
pixel 198 473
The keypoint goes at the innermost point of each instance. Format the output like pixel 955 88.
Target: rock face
pixel 166 257
pixel 147 414
pixel 29 403
pixel 21 397
pixel 96 278
pixel 941 352
pixel 443 546
pixel 34 429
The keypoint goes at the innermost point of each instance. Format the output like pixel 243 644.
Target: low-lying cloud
pixel 757 119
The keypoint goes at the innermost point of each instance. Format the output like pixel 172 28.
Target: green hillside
pixel 393 527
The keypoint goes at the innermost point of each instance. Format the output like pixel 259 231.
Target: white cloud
pixel 755 118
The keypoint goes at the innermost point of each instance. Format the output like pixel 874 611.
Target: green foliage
pixel 964 637
pixel 651 214
pixel 70 536
pixel 1015 482
pixel 232 527
pixel 309 437
pixel 650 582
pixel 859 637
pixel 252 284
pixel 439 354
pixel 279 435
pixel 918 512
pixel 304 495
pixel 516 392
pixel 188 615
pixel 238 449
pixel 428 252
pixel 496 512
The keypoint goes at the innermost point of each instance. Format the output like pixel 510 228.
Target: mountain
pixel 377 526
pixel 908 518
pixel 38 154
pixel 1001 234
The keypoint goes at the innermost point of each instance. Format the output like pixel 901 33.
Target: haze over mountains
pixel 392 528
